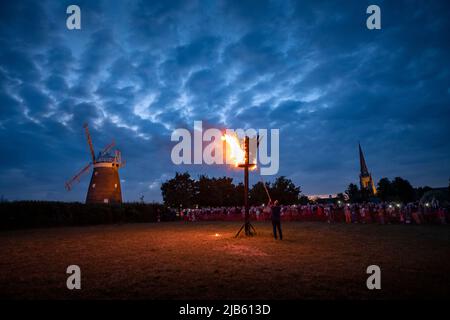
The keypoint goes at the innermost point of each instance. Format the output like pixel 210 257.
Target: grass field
pixel 188 261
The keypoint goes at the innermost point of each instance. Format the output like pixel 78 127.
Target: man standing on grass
pixel 276 220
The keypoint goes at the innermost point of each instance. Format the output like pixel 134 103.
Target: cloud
pixel 139 69
pixel 35 101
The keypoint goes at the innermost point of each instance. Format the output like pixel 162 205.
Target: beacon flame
pixel 234 153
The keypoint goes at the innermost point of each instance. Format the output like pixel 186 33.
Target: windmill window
pixel 93 185
pixel 105 200
pixel 96 172
pixel 115 186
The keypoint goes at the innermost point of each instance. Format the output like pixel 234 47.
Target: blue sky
pixel 139 69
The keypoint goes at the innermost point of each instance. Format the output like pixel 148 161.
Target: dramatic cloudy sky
pixel 139 69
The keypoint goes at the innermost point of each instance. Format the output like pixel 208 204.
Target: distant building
pixel 365 178
pixel 321 196
pixel 436 196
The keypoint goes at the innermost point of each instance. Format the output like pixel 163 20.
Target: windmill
pixel 105 183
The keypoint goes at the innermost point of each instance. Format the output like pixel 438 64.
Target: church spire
pixel 364 171
pixel 365 178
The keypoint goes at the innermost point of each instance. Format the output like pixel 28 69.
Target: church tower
pixel 365 178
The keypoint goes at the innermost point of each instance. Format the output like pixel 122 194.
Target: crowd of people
pixel 381 213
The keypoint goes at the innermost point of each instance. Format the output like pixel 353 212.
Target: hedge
pixel 43 214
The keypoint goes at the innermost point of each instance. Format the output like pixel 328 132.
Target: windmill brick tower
pixel 365 178
pixel 105 182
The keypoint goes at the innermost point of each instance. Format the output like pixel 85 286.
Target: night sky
pixel 139 69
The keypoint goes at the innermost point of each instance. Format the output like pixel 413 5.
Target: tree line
pixel 184 191
pixel 396 190
pixel 187 192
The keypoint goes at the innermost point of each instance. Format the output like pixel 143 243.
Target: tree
pixel 258 194
pixel 238 195
pixel 399 189
pixel 217 192
pixel 226 188
pixel 214 192
pixel 303 200
pixel 384 189
pixel 205 195
pixel 353 193
pixel 285 191
pixel 179 191
pixel 402 190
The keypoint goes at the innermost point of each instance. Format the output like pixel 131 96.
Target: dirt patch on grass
pixel 242 250
pixel 205 261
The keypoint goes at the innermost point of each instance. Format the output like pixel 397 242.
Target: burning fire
pixel 235 154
